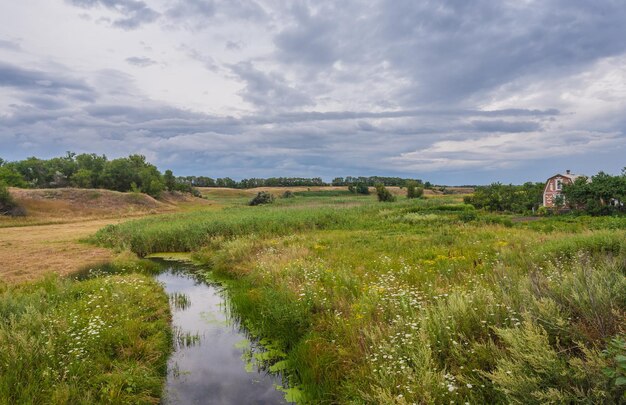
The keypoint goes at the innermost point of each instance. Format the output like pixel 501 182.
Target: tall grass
pixel 102 340
pixel 188 232
pixel 417 301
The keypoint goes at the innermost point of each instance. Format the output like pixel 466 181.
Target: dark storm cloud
pixel 135 13
pixel 140 61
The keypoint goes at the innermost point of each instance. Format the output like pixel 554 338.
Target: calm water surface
pixel 210 369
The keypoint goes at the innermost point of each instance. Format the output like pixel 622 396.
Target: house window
pixel 559 184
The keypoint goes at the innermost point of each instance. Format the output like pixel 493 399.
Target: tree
pixel 170 180
pixel 383 194
pixel 511 198
pixel 82 179
pixel 11 177
pixel 604 194
pixel 413 190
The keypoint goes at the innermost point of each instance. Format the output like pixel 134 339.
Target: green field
pixel 422 301
pixel 101 339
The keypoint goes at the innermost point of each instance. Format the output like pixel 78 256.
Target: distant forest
pixel 135 173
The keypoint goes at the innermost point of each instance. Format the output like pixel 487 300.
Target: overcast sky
pixel 455 92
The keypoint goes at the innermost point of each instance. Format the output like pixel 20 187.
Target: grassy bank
pixel 419 302
pixel 101 340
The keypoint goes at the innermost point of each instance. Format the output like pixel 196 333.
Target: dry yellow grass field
pixel 47 240
pixel 29 252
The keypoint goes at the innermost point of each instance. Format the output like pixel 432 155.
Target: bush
pixel 413 190
pixel 8 206
pixel 359 188
pixel 288 194
pixel 263 197
pixel 383 194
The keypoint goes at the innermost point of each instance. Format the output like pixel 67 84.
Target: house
pixel 554 185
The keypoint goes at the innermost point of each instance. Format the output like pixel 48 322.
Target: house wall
pixel 553 189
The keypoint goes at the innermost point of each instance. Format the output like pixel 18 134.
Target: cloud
pixel 135 12
pixel 268 90
pixel 506 126
pixel 467 92
pixel 184 9
pixel 10 45
pixel 309 39
pixel 34 81
pixel 505 150
pixel 140 61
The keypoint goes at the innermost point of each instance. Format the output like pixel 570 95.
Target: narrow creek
pixel 208 365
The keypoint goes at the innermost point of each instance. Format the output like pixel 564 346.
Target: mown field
pixel 421 301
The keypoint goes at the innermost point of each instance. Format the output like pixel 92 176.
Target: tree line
pixel 88 170
pixel 203 181
pixel 372 181
pixel 135 173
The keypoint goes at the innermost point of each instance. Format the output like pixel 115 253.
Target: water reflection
pixel 207 366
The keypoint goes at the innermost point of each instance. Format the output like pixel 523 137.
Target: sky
pixel 451 91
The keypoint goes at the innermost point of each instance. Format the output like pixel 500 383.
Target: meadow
pixel 417 301
pixel 104 338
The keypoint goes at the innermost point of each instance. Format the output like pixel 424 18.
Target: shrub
pixel 383 194
pixel 8 206
pixel 413 190
pixel 288 194
pixel 263 197
pixel 359 188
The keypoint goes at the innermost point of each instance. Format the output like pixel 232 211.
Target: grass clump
pixel 102 340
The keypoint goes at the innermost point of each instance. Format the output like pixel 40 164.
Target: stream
pixel 208 365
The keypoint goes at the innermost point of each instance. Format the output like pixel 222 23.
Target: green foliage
pixel 92 171
pixel 507 198
pixel 372 181
pixel 8 206
pixel 616 370
pixel 413 190
pixel 383 194
pixel 359 188
pixel 603 195
pixel 533 371
pixel 288 194
pixel 169 180
pixel 262 197
pixel 103 340
pixel 11 177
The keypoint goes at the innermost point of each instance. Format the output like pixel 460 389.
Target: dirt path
pixel 29 252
